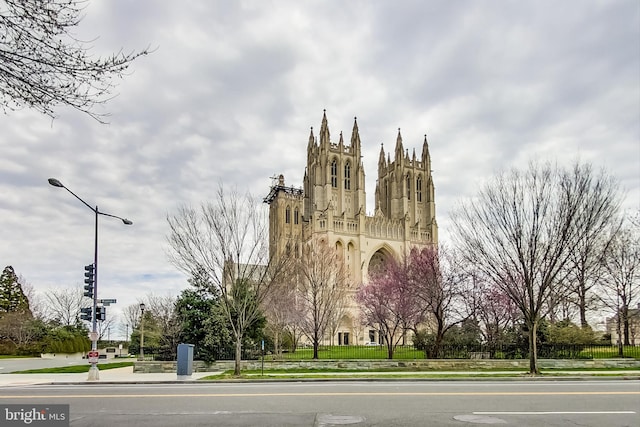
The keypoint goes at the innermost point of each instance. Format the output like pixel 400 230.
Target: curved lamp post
pixel 93 371
pixel 141 331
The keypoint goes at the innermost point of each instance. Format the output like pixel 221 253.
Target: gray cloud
pixel 232 88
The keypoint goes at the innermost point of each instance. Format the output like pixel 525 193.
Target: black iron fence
pixel 545 351
pixel 478 351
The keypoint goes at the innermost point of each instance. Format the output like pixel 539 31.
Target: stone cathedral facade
pixel 331 205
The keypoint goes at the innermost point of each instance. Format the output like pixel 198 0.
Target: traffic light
pixel 86 314
pixel 101 313
pixel 89 274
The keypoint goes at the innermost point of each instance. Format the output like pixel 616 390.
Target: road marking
pixel 557 413
pixel 355 394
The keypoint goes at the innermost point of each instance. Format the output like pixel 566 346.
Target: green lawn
pixel 409 353
pixel 279 374
pixel 228 375
pixel 75 369
pixel 350 353
pixel 610 352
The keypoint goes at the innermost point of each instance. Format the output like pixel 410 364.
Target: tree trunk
pixel 315 345
pixel 439 336
pixel 625 324
pixel 619 340
pixel 533 348
pixel 582 303
pixel 236 370
pixel 276 343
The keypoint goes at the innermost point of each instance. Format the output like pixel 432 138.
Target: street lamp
pixel 93 371
pixel 141 331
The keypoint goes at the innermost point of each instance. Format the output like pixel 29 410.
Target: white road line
pixel 557 413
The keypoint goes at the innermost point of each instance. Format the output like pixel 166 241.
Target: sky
pixel 232 87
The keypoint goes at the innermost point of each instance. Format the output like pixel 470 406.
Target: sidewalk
pixel 126 376
pixel 119 375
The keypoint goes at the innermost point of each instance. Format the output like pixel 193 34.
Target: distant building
pixel 633 315
pixel 331 205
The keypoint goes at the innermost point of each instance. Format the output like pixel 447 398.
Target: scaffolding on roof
pixel 275 189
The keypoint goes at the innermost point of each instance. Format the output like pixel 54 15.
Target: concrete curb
pixel 312 380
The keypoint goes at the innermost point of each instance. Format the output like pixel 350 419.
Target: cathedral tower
pixel 331 206
pixel 332 202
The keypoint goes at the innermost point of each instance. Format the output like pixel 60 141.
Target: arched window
pixel 296 216
pixel 347 176
pixel 287 215
pixel 419 188
pixel 334 173
pixel 408 187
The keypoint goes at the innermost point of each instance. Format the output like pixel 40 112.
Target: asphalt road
pixel 333 403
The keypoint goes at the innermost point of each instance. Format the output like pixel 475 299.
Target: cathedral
pixel 331 205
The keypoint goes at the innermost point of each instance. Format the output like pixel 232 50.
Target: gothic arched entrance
pixel 378 260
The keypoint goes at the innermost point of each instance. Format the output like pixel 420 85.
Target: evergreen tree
pixel 205 324
pixel 12 298
pixel 194 309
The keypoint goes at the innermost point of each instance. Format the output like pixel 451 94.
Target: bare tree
pixel 163 310
pixel 596 218
pixel 42 64
pixel 520 231
pixel 280 311
pixel 104 328
pixel 36 303
pixel 441 284
pixel 18 328
pixel 495 311
pixel 321 287
pixel 64 304
pixel 132 316
pixel 388 302
pixel 228 240
pixel 336 321
pixel 621 284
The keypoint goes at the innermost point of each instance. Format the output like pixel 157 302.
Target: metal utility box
pixel 185 360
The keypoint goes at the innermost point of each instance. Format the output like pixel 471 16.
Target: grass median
pixel 75 369
pixel 280 374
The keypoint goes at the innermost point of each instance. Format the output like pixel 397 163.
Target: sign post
pixel 262 370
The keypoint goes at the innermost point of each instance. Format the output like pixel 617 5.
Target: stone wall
pixel 416 365
pixel 74 356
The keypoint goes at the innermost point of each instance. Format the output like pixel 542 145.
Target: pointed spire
pixel 426 157
pixel 355 136
pixel 382 163
pixel 341 142
pixel 425 146
pixel 414 155
pixel 324 130
pixel 311 142
pixel 399 148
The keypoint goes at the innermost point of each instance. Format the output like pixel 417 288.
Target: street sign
pixel 93 356
pixel 107 301
pixel 93 336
